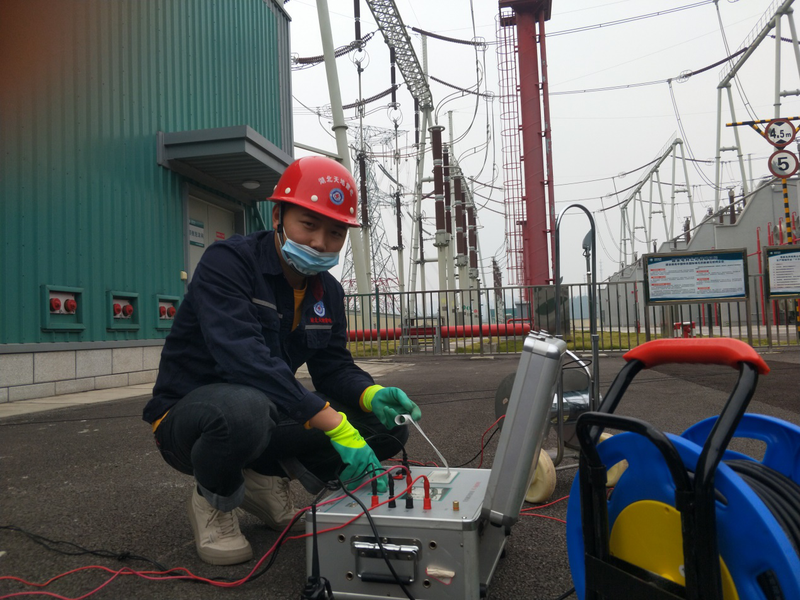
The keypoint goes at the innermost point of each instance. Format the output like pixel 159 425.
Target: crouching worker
pixel 226 406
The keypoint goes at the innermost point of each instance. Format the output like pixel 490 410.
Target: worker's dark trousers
pixel 217 430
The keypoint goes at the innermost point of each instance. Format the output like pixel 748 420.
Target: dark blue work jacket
pixel 234 326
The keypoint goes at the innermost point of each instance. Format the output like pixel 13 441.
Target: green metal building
pixel 133 134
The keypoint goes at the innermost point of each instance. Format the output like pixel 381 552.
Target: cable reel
pixel 687 518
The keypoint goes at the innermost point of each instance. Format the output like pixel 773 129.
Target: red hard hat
pixel 321 185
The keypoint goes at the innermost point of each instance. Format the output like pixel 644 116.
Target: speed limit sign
pixel 783 164
pixel 780 132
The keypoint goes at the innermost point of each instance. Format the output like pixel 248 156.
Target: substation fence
pixel 496 320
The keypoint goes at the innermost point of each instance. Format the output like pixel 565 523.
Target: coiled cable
pixel 779 494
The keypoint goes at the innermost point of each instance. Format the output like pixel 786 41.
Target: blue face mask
pixel 305 260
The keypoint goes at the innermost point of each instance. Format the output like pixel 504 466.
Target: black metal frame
pixel 611 577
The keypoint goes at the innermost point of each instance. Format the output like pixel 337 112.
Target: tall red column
pixel 529 13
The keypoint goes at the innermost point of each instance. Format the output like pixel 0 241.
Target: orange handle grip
pixel 706 351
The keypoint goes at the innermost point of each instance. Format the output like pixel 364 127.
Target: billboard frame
pixel 728 254
pixel 766 283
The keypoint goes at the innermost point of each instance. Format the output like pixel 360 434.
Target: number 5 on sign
pixel 783 164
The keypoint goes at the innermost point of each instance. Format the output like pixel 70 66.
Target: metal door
pixel 207 224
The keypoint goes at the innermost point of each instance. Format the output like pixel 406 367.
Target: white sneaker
pixel 269 498
pixel 217 536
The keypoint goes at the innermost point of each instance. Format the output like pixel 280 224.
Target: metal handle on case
pixel 393 551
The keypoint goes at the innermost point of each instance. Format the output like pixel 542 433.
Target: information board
pixel 680 277
pixel 197 233
pixel 783 271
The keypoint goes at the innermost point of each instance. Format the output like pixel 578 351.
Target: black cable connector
pixel 392 502
pixel 317 587
pixel 406 464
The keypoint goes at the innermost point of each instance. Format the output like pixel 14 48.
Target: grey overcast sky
pixel 597 135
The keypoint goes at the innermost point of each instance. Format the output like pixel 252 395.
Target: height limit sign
pixel 780 133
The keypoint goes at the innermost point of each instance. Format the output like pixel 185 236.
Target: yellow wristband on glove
pixel 366 397
pixel 346 435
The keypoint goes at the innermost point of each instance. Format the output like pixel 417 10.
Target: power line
pixel 311 61
pixel 628 19
pixel 685 138
pixel 681 78
pixel 488 95
pixel 477 43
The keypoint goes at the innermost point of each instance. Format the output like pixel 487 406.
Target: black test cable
pixel 80 550
pixel 125 555
pixel 407 468
pixel 317 587
pixel 779 494
pixel 484 445
pixel 563 596
pixel 378 540
pixel 121 556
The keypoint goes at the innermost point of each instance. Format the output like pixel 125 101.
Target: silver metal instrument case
pixel 449 552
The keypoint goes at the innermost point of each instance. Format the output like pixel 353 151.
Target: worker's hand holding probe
pixel 358 457
pixel 389 403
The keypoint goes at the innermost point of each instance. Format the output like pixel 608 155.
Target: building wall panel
pixel 86 86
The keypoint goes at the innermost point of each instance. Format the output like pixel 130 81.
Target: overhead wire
pixel 488 95
pixel 478 44
pixel 692 158
pixel 430 34
pixel 629 19
pixel 681 78
pixel 362 102
pixel 489 119
pixel 318 115
pixel 685 138
pixel 612 176
pixel 312 61
pixel 480 70
pixel 747 106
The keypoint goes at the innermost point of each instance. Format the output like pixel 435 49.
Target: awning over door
pixel 232 160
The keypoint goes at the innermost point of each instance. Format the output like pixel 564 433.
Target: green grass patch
pixel 370 349
pixel 579 342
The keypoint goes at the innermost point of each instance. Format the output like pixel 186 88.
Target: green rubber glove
pixel 358 457
pixel 388 403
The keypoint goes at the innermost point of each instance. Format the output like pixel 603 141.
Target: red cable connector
pixel 426 502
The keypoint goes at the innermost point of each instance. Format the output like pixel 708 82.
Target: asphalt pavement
pixel 89 477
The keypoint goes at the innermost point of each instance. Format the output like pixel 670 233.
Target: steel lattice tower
pixel 384 272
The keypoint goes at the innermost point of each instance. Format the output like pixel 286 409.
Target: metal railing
pixel 496 320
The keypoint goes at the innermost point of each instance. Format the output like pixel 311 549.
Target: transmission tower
pixel 640 208
pixel 384 273
pixel 770 20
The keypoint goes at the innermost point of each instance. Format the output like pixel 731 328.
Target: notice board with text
pixel 687 277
